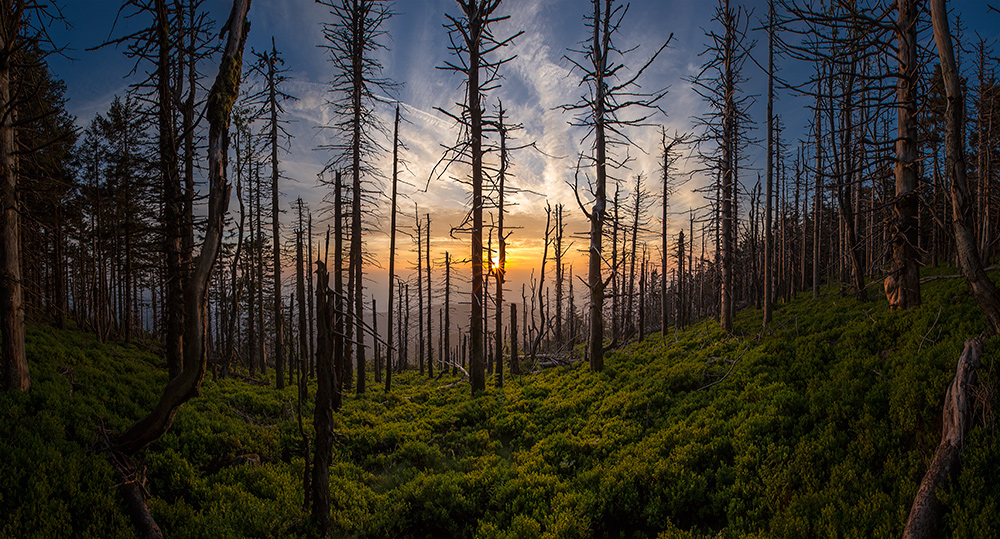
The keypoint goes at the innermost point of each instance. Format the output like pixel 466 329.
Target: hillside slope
pixel 823 428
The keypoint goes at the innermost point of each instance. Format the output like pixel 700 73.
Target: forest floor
pixel 823 428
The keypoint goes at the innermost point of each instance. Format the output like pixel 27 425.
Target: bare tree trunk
pixel 902 284
pixel 342 324
pixel 502 258
pixel 430 311
pixel 327 400
pixel 515 366
pixel 300 292
pixel 16 374
pixel 542 324
pixel 392 251
pixel 728 188
pixel 420 291
pixel 925 514
pixel 817 207
pixel 448 358
pixel 982 288
pixel 279 333
pixel 768 237
pixel 477 344
pixel 187 385
pixel 595 345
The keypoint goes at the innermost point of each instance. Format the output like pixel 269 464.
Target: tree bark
pixel 392 251
pixel 973 269
pixel 925 514
pixel 188 384
pixel 902 284
pixel 16 374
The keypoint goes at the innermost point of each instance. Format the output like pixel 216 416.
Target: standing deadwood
pixel 768 236
pixel 176 257
pixel 602 110
pixel 572 310
pixel 902 284
pixel 187 385
pixel 515 366
pixel 353 39
pixel 327 400
pixel 472 41
pixel 273 106
pixel 637 210
pixel 270 98
pixel 242 133
pixel 13 20
pixel 718 83
pixel 392 250
pixel 309 295
pixel 642 295
pixel 817 202
pixel 405 341
pixel 375 348
pixel 448 357
pixel 430 310
pixel 542 328
pixel 560 252
pixel 669 160
pixel 501 269
pixel 258 254
pixel 420 289
pixel 728 179
pixel 925 514
pixel 341 340
pixel 679 319
pixel 300 293
pixel 982 288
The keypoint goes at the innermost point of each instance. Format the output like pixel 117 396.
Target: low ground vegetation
pixel 822 428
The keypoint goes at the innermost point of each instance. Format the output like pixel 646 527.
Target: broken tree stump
pixel 925 514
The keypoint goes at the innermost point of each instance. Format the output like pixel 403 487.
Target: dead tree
pixel 542 328
pixel 963 220
pixel 430 310
pixel 902 284
pixel 353 39
pixel 925 514
pixel 187 385
pixel 670 148
pixel 474 44
pixel 392 250
pixel 603 109
pixel 20 30
pixel 270 100
pixel 723 138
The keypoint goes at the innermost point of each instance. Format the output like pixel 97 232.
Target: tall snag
pixel 603 109
pixel 472 41
pixel 973 269
pixel 353 39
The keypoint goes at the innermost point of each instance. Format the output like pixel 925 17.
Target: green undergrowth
pixel 820 427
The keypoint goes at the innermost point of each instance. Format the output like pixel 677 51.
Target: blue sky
pixel 535 83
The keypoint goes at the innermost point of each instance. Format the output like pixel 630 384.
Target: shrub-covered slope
pixel 823 428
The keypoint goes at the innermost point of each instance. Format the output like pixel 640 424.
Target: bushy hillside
pixel 823 428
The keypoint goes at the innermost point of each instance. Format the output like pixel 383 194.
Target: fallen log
pixel 925 515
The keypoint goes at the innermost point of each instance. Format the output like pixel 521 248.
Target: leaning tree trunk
pixel 925 515
pixel 982 288
pixel 187 385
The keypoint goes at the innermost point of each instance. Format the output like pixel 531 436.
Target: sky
pixel 535 83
